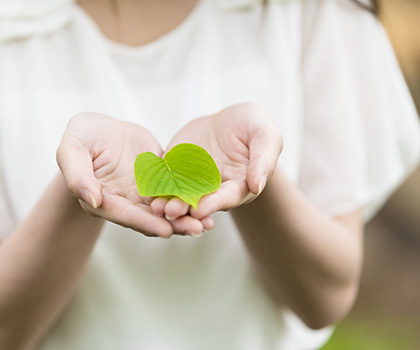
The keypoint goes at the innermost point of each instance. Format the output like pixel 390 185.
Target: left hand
pixel 245 144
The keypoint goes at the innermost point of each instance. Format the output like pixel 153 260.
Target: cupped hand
pixel 245 143
pixel 96 156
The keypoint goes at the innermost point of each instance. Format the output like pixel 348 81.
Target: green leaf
pixel 187 171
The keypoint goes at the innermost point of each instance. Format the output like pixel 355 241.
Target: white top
pixel 325 71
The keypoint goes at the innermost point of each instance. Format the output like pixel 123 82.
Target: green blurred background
pixel 386 315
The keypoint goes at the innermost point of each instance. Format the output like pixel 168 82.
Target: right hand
pixel 245 144
pixel 96 156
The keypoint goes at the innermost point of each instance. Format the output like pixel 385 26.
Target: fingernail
pixel 94 204
pixel 170 218
pixel 206 231
pixel 195 234
pixel 262 184
pixel 88 198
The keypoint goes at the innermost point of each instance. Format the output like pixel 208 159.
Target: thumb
pixel 75 163
pixel 264 150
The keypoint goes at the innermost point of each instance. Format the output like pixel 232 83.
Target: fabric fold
pixel 22 19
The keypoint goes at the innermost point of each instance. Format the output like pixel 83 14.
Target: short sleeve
pixel 361 129
pixel 23 18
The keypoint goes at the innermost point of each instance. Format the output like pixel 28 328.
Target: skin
pixel 310 265
pixel 137 23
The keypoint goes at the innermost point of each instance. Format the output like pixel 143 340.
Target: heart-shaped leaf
pixel 187 171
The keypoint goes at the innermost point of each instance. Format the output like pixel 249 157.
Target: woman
pixel 287 265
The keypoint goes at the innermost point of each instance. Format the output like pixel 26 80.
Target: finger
pixel 230 195
pixel 157 206
pixel 187 224
pixel 75 163
pixel 176 208
pixel 265 148
pixel 131 215
pixel 208 223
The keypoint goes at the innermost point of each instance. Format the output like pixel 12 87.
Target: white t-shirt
pixel 324 70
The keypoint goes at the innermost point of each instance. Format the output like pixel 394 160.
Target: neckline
pixel 152 47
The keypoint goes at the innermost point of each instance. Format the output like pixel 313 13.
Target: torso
pixel 139 292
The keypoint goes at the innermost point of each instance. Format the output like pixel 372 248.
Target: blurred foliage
pixel 374 335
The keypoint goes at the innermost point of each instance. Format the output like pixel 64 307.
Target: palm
pixel 97 155
pixel 229 153
pixel 116 149
pixel 229 137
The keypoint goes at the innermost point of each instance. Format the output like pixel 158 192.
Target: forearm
pixel 41 264
pixel 308 261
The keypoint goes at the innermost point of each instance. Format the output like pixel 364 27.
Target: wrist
pixel 57 213
pixel 70 207
pixel 59 195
